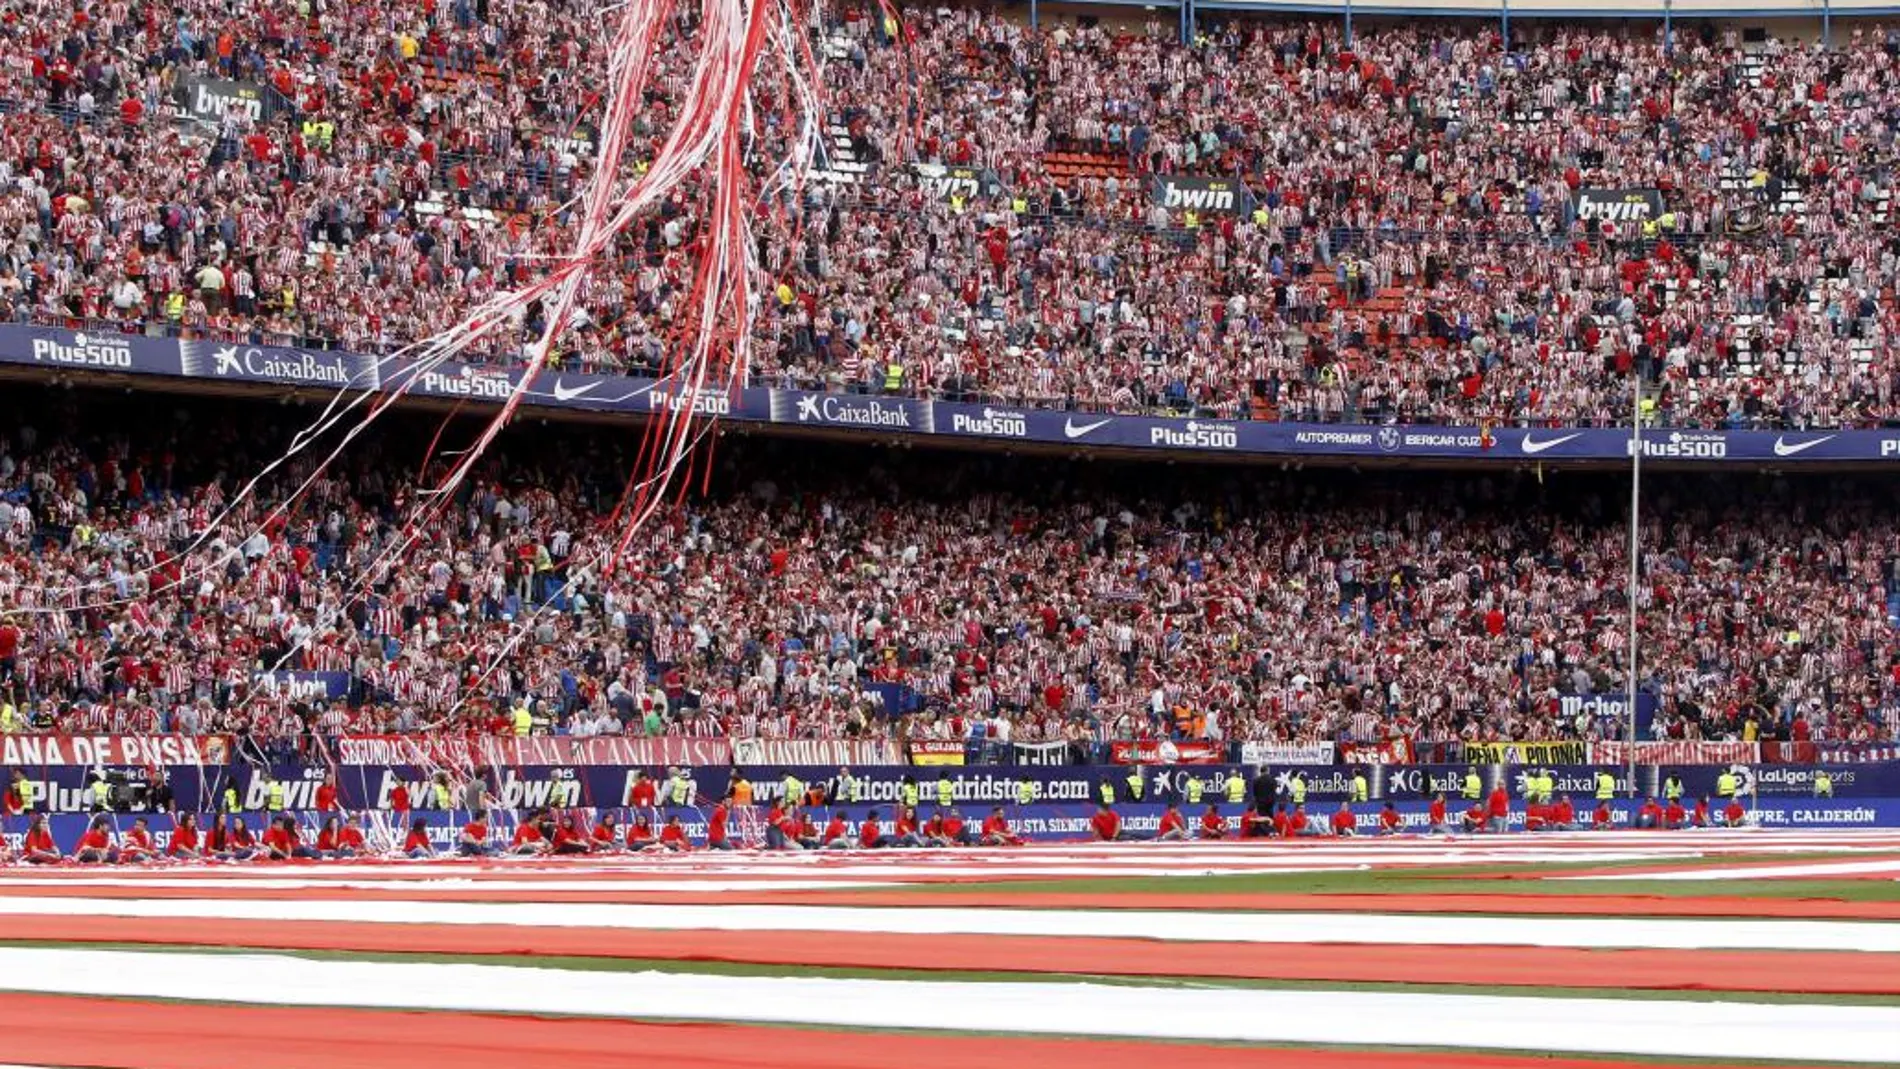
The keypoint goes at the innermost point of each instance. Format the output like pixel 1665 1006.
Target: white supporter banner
pixel 815 752
pixel 1677 752
pixel 1286 753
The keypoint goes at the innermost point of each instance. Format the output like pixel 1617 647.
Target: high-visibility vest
pixel 944 797
pixel 524 722
pixel 793 788
pixel 1474 787
pixel 1107 792
pixel 276 795
pixel 909 794
pixel 25 787
pixel 893 377
pixel 1360 791
pixel 9 720
pixel 1134 786
pixel 1297 789
pixel 1606 786
pixel 1025 792
pixel 853 790
pixel 1726 785
pixel 175 307
pixel 683 790
pixel 1193 790
pixel 1823 785
pixel 102 794
pixel 442 800
pixel 1236 789
pixel 1672 789
pixel 230 800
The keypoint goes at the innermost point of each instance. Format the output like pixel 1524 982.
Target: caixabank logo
pixel 263 363
pixel 854 411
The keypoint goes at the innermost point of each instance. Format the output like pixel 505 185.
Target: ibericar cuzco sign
pixel 108 353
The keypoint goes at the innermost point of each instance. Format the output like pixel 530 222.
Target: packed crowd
pixel 1410 253
pixel 797 595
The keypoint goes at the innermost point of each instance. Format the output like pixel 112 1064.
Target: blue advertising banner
pixel 1039 822
pixel 67 788
pixel 237 362
pixel 304 686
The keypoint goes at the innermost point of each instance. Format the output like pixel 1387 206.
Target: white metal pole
pixel 1636 499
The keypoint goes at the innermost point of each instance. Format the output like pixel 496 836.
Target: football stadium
pixel 1312 534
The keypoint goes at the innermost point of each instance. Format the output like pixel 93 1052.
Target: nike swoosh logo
pixel 1070 430
pixel 1783 449
pixel 563 393
pixel 1533 446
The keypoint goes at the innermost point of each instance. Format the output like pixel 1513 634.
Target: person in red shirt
pixel 95 847
pixel 643 794
pixel 870 835
pixel 781 828
pixel 1534 816
pixel 184 841
pixel 1701 817
pixel 1675 818
pixel 1173 827
pixel 282 843
pixel 807 831
pixel 38 848
pixel 673 836
pixel 606 834
pixel 1733 814
pixel 326 794
pixel 1106 825
pixel 1474 818
pixel 1213 825
pixel 474 838
pixel 1282 823
pixel 1563 815
pixel 639 833
pixel 237 844
pixel 1650 816
pixel 417 845
pixel 955 833
pixel 1500 809
pixel 1345 825
pixel 137 846
pixel 996 830
pixel 1301 826
pixel 716 837
pixel 904 832
pixel 399 804
pixel 569 839
pixel 933 830
pixel 837 835
pixel 1602 818
pixel 1389 820
pixel 327 836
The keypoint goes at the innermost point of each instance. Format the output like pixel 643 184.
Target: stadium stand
pixel 1036 600
pixel 1393 234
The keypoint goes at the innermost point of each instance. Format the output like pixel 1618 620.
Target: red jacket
pixel 1106 824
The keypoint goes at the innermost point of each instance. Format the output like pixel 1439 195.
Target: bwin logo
pixel 247 103
pixel 993 421
pixel 1206 200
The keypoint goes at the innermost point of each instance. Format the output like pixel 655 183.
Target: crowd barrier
pixel 209 361
pixel 1034 823
pixel 70 788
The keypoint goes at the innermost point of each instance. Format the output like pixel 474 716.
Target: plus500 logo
pixel 1681 446
pixel 1196 436
pixel 84 352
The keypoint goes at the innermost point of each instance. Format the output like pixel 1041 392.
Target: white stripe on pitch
pixel 1804 1031
pixel 1751 872
pixel 1183 925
